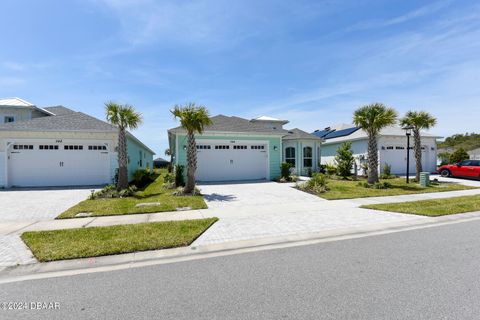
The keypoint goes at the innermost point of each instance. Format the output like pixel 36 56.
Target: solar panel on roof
pixel 341 133
pixel 322 133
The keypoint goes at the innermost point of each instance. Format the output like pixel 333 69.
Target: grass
pixel 432 208
pixel 155 192
pixel 101 241
pixel 348 189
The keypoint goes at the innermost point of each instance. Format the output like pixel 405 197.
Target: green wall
pixel 134 163
pixel 274 155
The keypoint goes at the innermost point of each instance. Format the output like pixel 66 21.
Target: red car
pixel 466 168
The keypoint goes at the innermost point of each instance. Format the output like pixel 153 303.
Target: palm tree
pixel 124 117
pixel 372 118
pixel 193 119
pixel 418 120
pixel 168 152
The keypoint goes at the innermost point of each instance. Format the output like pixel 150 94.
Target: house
pixel 474 154
pixel 234 148
pixel 57 146
pixel 392 147
pixel 160 163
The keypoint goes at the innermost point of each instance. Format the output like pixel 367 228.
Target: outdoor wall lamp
pixel 275 148
pixel 184 147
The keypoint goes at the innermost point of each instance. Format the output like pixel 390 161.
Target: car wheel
pixel 445 173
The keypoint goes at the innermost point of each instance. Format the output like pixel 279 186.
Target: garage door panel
pixel 43 166
pixel 225 161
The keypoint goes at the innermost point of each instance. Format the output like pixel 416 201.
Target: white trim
pixel 176 150
pixel 233 133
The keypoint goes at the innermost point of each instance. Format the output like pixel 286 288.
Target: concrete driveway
pixel 266 209
pixel 38 204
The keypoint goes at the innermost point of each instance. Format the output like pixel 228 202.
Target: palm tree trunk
pixel 372 158
pixel 122 182
pixel 191 162
pixel 417 145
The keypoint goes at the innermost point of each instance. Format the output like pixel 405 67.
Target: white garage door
pixel 225 161
pixel 33 164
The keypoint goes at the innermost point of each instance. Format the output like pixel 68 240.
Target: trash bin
pixel 424 179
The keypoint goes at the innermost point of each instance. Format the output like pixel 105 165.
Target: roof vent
pixel 291 132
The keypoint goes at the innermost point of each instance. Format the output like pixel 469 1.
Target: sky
pixel 310 62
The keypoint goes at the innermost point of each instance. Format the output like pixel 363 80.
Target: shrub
pixel 142 177
pixel 179 178
pixel 169 180
pixel 317 183
pixel 364 167
pixel 459 155
pixel 330 169
pixel 111 192
pixel 386 174
pixel 322 168
pixel 285 170
pixel 344 160
pixel 376 185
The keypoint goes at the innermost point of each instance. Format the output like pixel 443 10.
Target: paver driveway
pixel 264 209
pixel 38 204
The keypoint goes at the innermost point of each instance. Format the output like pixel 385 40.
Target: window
pixel 8 119
pixel 203 147
pixel 23 147
pixel 222 147
pixel 96 148
pixel 390 148
pixel 399 148
pixel 48 147
pixel 140 162
pixel 475 163
pixel 307 157
pixel 290 155
pixel 73 147
pixel 257 147
pixel 239 147
pixel 466 163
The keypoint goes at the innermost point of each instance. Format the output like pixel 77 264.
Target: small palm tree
pixel 124 117
pixel 419 120
pixel 372 118
pixel 193 119
pixel 168 153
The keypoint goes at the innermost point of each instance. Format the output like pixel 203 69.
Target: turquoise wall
pixel 274 155
pixel 135 162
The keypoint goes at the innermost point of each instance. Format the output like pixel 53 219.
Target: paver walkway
pixel 246 211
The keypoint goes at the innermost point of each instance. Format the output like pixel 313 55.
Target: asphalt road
pixel 431 273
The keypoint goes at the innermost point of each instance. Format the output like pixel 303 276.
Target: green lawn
pixel 432 208
pixel 101 241
pixel 153 193
pixel 347 189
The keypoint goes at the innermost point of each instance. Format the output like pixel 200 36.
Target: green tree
pixel 124 117
pixel 444 157
pixel 459 155
pixel 193 119
pixel 419 120
pixel 372 118
pixel 344 160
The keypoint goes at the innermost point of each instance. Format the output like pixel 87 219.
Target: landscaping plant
pixel 285 171
pixel 459 155
pixel 193 119
pixel 124 117
pixel 179 179
pixel 344 160
pixel 387 172
pixel 372 119
pixel 419 120
pixel 317 183
pixel 330 169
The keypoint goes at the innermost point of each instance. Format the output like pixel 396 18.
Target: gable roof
pixel 59 110
pixel 355 133
pixel 20 103
pixel 233 124
pixel 296 133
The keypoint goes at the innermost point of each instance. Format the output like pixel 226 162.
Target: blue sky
pixel 311 62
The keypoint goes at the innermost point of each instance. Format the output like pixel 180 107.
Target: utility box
pixel 424 179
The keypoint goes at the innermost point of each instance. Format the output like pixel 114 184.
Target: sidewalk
pixel 237 223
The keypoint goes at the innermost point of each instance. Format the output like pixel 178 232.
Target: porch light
pixel 275 148
pixel 184 147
